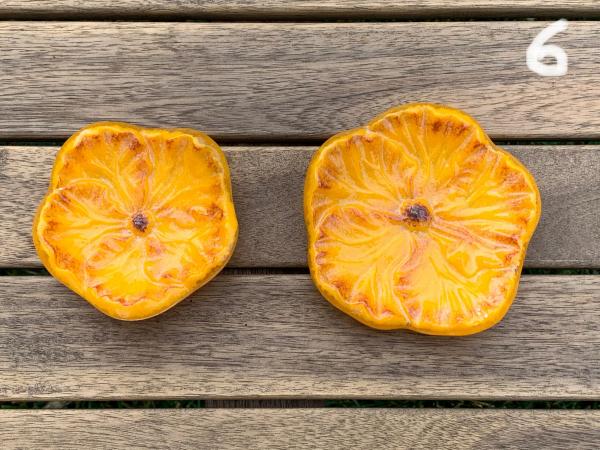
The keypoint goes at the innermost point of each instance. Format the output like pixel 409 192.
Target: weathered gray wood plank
pixel 268 183
pixel 276 81
pixel 301 428
pixel 306 9
pixel 265 337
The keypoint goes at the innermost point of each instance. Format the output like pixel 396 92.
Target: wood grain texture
pixel 304 9
pixel 301 428
pixel 275 337
pixel 268 185
pixel 260 81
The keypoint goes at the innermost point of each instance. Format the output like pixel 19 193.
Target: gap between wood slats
pixel 303 9
pixel 300 271
pixel 268 185
pixel 313 143
pixel 274 337
pixel 265 403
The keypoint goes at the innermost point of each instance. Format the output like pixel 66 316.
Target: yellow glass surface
pixel 419 221
pixel 136 219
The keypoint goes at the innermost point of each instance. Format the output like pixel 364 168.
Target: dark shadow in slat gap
pixel 23 272
pixel 455 404
pixel 534 271
pixel 381 15
pixel 462 404
pixel 8 272
pixel 266 271
pixel 281 142
pixel 31 142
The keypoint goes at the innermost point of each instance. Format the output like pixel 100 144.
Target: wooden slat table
pixel 301 428
pixel 268 184
pixel 260 335
pixel 273 336
pixel 276 82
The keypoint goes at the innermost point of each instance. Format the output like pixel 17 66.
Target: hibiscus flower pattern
pixel 137 216
pixel 418 221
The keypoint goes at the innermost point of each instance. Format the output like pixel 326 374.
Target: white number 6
pixel 538 50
